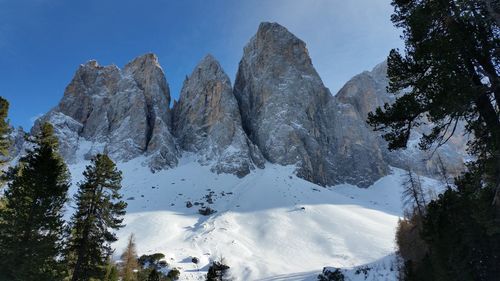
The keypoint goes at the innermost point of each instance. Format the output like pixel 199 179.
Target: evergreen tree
pixel 413 196
pixel 154 275
pixel 4 130
pixel 152 268
pixel 111 272
pixel 493 8
pixel 449 73
pixel 460 230
pixel 173 274
pixel 443 172
pixel 99 212
pixel 31 224
pixel 129 261
pixel 4 138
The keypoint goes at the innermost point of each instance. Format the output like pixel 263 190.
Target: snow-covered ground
pixel 269 225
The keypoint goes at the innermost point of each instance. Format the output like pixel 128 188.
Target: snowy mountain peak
pixel 380 70
pixel 274 34
pixel 207 121
pixel 143 63
pixel 209 68
pixel 367 91
pixel 147 58
pixel 292 117
pixel 91 63
pixel 124 113
pixel 279 43
pixel 208 60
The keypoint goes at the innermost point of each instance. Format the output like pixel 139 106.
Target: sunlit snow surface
pixel 269 225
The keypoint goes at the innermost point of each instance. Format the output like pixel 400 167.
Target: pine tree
pixel 100 210
pixel 31 224
pixel 449 73
pixel 129 260
pixel 4 138
pixel 173 274
pixel 443 172
pixel 413 196
pixel 493 8
pixel 154 275
pixel 4 130
pixel 111 272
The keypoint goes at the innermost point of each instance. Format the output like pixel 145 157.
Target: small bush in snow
pixel 218 271
pixel 363 269
pixel 206 211
pixel 154 260
pixel 331 274
pixel 174 274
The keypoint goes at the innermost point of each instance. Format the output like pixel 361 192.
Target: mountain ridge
pixel 278 111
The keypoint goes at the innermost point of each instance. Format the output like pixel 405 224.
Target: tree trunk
pixel 488 114
pixel 85 236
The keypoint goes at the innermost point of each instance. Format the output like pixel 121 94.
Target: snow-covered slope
pixel 269 225
pixel 384 269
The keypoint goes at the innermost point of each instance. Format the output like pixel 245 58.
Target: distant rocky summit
pixel 124 113
pixel 207 121
pixel 367 91
pixel 292 117
pixel 279 111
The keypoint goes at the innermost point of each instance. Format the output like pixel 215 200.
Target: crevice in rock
pixel 150 121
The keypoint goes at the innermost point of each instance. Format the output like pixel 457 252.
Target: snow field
pixel 269 225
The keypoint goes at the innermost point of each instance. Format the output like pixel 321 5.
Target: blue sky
pixel 42 42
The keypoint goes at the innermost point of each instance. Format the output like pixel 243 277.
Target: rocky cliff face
pixel 207 121
pixel 124 113
pixel 279 111
pixel 293 119
pixel 367 91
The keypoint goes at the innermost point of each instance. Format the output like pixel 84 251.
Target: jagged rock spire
pixel 207 121
pixel 124 113
pixel 292 117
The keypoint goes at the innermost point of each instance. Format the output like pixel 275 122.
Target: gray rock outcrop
pixel 292 117
pixel 207 121
pixel 367 91
pixel 17 145
pixel 124 113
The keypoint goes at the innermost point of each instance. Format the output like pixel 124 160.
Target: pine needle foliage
pixel 99 212
pixel 31 223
